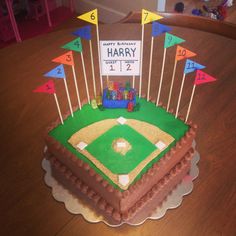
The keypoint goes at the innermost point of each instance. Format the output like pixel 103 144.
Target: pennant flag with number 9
pixel 74 45
pixel 202 78
pixel 171 40
pixel 84 32
pixel 57 72
pixel 91 17
pixel 182 53
pixel 148 16
pixel 191 66
pixel 158 29
pixel 46 88
pixel 66 59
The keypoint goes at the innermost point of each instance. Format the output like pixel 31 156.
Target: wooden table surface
pixel 27 205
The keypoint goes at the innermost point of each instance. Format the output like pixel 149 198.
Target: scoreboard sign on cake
pixel 120 57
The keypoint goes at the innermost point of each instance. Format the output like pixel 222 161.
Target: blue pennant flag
pixel 84 32
pixel 158 29
pixel 191 66
pixel 57 72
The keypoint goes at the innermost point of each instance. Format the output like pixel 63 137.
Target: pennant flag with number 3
pixel 191 66
pixel 46 88
pixel 84 32
pixel 182 53
pixel 158 29
pixel 57 72
pixel 148 16
pixel 202 78
pixel 74 45
pixel 171 40
pixel 66 59
pixel 91 17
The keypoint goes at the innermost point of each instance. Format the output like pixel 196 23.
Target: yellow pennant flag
pixel 148 16
pixel 91 17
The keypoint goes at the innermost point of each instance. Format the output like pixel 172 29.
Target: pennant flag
pixel 74 45
pixel 148 16
pixel 191 66
pixel 84 32
pixel 91 17
pixel 46 88
pixel 57 72
pixel 171 40
pixel 182 53
pixel 158 29
pixel 202 78
pixel 66 59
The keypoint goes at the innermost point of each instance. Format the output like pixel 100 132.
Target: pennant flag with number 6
pixel 57 72
pixel 202 78
pixel 46 88
pixel 171 40
pixel 74 45
pixel 182 53
pixel 66 59
pixel 191 66
pixel 91 17
pixel 148 16
pixel 158 29
pixel 84 32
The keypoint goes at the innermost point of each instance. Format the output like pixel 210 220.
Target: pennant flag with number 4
pixel 191 66
pixel 182 53
pixel 148 16
pixel 46 88
pixel 74 45
pixel 57 72
pixel 202 78
pixel 84 32
pixel 171 40
pixel 91 17
pixel 158 29
pixel 66 59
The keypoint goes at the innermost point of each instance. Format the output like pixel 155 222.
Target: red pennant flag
pixel 66 59
pixel 202 78
pixel 182 53
pixel 46 88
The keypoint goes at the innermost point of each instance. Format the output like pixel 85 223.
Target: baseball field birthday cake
pixel 121 153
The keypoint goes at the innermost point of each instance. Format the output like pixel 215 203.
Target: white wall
pixel 112 10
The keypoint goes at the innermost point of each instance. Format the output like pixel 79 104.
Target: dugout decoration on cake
pixel 121 163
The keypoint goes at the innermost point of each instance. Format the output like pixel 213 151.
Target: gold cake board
pixel 75 206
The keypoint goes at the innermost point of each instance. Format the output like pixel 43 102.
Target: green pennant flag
pixel 74 45
pixel 171 40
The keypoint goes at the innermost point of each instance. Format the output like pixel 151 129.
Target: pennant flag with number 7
pixel 148 16
pixel 66 59
pixel 49 88
pixel 58 72
pixel 83 32
pixel 91 17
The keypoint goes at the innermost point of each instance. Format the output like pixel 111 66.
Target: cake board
pixel 75 206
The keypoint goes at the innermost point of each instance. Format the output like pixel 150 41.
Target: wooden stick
pixel 48 13
pixel 99 58
pixel 85 77
pixel 171 86
pixel 92 65
pixel 58 108
pixel 150 69
pixel 190 103
pixel 76 86
pixel 180 94
pixel 107 80
pixel 133 81
pixel 141 62
pixel 162 71
pixel 68 96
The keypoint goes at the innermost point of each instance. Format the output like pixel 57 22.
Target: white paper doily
pixel 75 206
